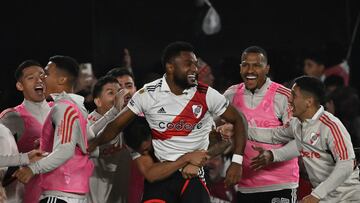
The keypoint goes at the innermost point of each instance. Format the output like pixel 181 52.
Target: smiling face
pixel 299 102
pixel 184 69
pixel 253 70
pixel 31 84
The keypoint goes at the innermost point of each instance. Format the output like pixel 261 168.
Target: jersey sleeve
pixel 230 93
pixel 339 141
pixel 13 122
pixel 138 101
pixel 8 150
pixel 67 135
pixel 282 105
pixel 282 134
pixel 217 103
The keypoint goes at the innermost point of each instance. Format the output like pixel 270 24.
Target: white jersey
pixel 179 123
pixel 326 148
pixel 110 179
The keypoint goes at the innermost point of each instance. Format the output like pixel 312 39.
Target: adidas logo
pixel 161 110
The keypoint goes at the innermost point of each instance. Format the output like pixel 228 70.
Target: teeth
pixel 251 77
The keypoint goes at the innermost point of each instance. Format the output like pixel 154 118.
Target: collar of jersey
pixel 165 87
pixel 63 95
pixel 30 104
pixel 262 90
pixel 316 116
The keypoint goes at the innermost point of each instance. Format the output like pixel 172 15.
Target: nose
pixel 194 68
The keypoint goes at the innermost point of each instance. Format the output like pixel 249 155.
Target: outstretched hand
pixel 264 158
pixel 233 174
pixel 127 58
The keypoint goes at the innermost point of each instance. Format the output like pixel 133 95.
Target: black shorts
pixel 280 196
pixel 176 189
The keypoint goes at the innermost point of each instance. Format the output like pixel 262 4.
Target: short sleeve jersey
pixel 179 123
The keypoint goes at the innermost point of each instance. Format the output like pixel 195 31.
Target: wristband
pixel 237 158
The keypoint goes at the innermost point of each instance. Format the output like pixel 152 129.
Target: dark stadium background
pixel 97 31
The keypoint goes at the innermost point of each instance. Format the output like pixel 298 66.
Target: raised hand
pixel 127 58
pixel 120 98
pixel 264 158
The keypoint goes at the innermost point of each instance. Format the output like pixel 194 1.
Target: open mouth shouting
pixel 39 89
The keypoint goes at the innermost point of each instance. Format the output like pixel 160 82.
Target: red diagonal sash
pixel 187 120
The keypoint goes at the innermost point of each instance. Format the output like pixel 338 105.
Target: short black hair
pixel 316 56
pixel 98 87
pixel 67 64
pixel 25 64
pixel 311 85
pixel 257 50
pixel 119 72
pixel 174 49
pixel 137 132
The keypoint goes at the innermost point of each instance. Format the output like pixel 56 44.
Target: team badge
pixel 197 110
pixel 314 137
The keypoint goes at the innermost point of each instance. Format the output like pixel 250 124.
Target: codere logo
pixel 181 125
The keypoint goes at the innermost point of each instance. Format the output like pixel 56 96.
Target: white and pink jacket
pixel 72 176
pixel 26 143
pixel 277 176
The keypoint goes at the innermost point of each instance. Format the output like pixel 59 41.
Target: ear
pixel 169 67
pixel 267 69
pixel 19 86
pixel 310 101
pixel 62 80
pixel 97 102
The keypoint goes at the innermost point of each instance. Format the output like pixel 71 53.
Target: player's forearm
pixel 287 152
pixel 14 160
pixel 110 131
pixel 218 148
pixel 55 159
pixel 159 171
pixel 101 123
pixel 240 135
pixel 341 172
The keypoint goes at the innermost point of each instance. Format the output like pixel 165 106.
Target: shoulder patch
pixel 142 90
